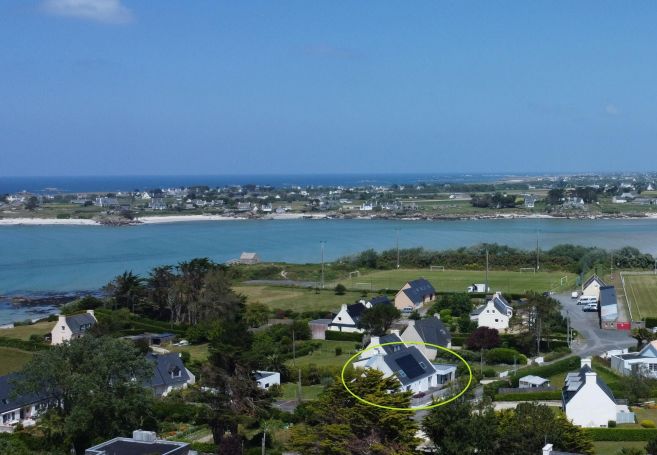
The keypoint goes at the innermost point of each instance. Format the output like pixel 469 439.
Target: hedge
pixel 458 340
pixel 505 355
pixel 22 344
pixel 621 434
pixel 529 396
pixel 343 336
pixel 562 366
pixel 651 322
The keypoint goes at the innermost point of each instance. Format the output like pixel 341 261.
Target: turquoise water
pixel 72 258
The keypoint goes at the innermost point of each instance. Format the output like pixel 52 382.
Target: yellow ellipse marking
pixel 393 408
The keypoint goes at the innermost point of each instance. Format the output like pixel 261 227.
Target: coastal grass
pixel 198 352
pixel 641 295
pixel 614 447
pixel 459 280
pixel 12 360
pixel 296 299
pixel 23 332
pixel 325 355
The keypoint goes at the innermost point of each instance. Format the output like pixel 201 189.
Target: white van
pixel 586 299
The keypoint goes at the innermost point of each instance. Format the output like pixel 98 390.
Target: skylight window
pixel 422 364
pixel 402 374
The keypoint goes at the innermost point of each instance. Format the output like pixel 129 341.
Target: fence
pixel 503 390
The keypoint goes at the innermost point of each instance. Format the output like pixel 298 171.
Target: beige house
pixel 72 327
pixel 592 286
pixel 414 294
pixel 429 330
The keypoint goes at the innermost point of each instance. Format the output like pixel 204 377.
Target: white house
pixel 531 382
pixel 592 286
pixel 495 314
pixel 248 258
pixel 414 294
pixel 429 330
pixel 15 409
pixel 72 327
pixel 588 401
pixel 169 373
pixel 644 361
pixel 349 315
pixel 266 379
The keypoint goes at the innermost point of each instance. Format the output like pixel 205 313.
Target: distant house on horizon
pixel 247 258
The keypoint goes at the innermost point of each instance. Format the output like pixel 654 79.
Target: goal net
pixel 563 281
pixel 527 269
pixel 438 268
pixel 353 274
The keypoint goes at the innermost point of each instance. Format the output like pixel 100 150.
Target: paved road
pixel 593 340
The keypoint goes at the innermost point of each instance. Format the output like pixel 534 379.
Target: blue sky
pixel 102 87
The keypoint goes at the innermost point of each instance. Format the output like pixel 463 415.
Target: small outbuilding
pixel 530 382
pixel 247 258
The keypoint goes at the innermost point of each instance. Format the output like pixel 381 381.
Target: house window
pixel 402 374
pixel 176 372
pixel 63 328
pixel 339 318
pixel 496 320
pixel 424 367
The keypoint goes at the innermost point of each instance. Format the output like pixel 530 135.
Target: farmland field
pixel 459 280
pixel 641 295
pixel 23 332
pixel 297 299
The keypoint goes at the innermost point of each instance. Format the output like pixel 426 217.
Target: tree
pixel 637 386
pixel 256 314
pixel 340 289
pixel 483 338
pixel 378 319
pixel 641 336
pixel 127 290
pixel 32 203
pixel 459 304
pixel 353 427
pixel 651 446
pixel 97 390
pixel 555 196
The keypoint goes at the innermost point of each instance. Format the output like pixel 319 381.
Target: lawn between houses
pixel 296 299
pixel 23 332
pixel 12 360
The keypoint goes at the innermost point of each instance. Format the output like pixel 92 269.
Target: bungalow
pixel 531 382
pixel 644 361
pixel 106 202
pixel 247 258
pixel 349 315
pixel 588 401
pixel 430 330
pixel 592 286
pixel 141 443
pixel 608 307
pixel 414 294
pixel 72 327
pixel 15 409
pixel 495 314
pixel 530 201
pixel 266 379
pixel 169 373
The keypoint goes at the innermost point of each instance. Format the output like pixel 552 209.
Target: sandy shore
pixel 46 221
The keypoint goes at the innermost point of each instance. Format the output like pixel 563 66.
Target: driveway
pixel 593 340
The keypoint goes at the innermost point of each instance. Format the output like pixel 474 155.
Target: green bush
pixel 651 322
pixel 529 396
pixel 338 351
pixel 647 423
pixel 343 336
pixel 506 356
pixel 621 434
pixel 204 447
pixel 31 345
pixel 611 424
pixel 558 353
pixel 488 372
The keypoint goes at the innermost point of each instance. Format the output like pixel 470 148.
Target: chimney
pixel 61 319
pixel 344 307
pixel 591 377
pixel 547 450
pixel 375 341
pixel 586 361
pixel 394 332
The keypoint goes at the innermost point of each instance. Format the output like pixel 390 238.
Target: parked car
pixel 586 299
pixel 574 295
pixel 590 307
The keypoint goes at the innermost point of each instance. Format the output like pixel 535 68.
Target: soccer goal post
pixel 353 274
pixel 438 268
pixel 563 280
pixel 527 269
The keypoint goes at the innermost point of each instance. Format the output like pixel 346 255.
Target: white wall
pixel 492 318
pixel 591 407
pixel 61 332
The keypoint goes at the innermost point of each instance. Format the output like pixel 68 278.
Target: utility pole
pixel 397 231
pixel 264 439
pixel 322 248
pixel 486 280
pixel 299 388
pixel 294 351
pixel 538 265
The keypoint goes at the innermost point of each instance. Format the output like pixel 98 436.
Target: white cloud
pixel 107 11
pixel 611 109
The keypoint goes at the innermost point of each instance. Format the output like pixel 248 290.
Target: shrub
pixel 185 356
pixel 340 289
pixel 338 351
pixel 506 356
pixel 483 338
pixel 651 322
pixel 489 372
pixel 647 423
pixel 343 336
pixel 529 396
pixel 621 434
pixel 611 424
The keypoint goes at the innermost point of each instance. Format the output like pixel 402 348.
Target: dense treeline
pixel 571 258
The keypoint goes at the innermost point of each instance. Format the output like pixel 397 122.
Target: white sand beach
pixel 46 221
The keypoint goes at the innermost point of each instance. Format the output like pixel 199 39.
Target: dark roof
pixel 478 310
pixel 355 310
pixel 418 290
pixel 592 279
pixel 407 361
pixel 125 446
pixel 392 338
pixel 8 401
pixel 575 381
pixel 380 299
pixel 501 304
pixel 607 295
pixel 76 322
pixel 164 364
pixel 432 330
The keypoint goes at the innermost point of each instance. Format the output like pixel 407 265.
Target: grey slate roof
pixel 80 322
pixel 477 311
pixel 405 365
pixel 432 330
pixel 164 364
pixel 380 299
pixel 575 381
pixel 125 446
pixel 501 304
pixel 355 310
pixel 419 289
pixel 392 338
pixel 607 295
pixel 8 401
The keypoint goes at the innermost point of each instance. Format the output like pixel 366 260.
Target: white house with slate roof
pixel 15 409
pixel 495 314
pixel 347 318
pixel 266 379
pixel 72 327
pixel 169 373
pixel 592 286
pixel 588 401
pixel 414 294
pixel 430 330
pixel 644 361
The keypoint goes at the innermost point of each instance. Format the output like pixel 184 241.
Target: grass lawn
pixel 325 356
pixel 198 352
pixel 308 392
pixel 641 295
pixel 23 332
pixel 459 280
pixel 297 299
pixel 12 360
pixel 613 447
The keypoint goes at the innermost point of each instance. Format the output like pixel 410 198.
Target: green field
pixel 641 295
pixel 308 392
pixel 12 360
pixel 197 352
pixel 296 299
pixel 23 332
pixel 613 447
pixel 325 356
pixel 459 280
